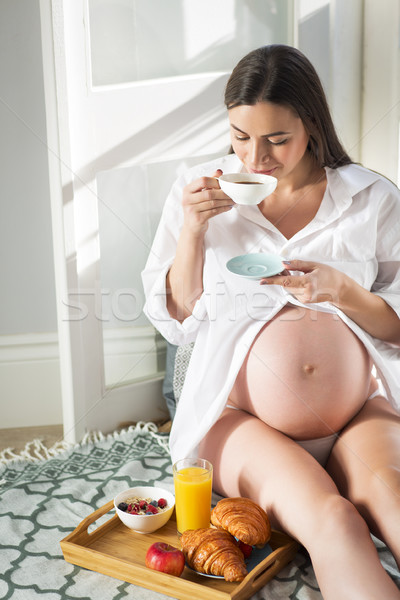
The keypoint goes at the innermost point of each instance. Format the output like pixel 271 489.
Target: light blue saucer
pixel 255 266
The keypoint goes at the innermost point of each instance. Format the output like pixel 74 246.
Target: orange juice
pixel 193 486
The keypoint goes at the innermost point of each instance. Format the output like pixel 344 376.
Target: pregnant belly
pixel 306 374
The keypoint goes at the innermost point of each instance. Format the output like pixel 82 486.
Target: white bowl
pixel 247 188
pixel 145 523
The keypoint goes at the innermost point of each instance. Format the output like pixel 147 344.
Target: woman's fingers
pixel 204 194
pixel 286 280
pixel 316 285
pixel 299 285
pixel 204 183
pixel 203 199
pixel 300 265
pixel 208 200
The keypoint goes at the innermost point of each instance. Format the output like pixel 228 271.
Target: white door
pixel 134 93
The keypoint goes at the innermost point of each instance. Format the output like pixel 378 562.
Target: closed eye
pixel 280 143
pixel 242 138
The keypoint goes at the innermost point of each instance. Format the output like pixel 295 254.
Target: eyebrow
pixel 273 134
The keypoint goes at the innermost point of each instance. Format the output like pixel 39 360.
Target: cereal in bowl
pixel 143 506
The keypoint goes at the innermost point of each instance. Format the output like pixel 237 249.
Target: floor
pixel 17 438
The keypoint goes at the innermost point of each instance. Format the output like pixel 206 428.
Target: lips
pixel 266 172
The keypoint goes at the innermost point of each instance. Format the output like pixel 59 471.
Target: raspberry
pixel 143 504
pixel 129 509
pixel 162 503
pixel 151 510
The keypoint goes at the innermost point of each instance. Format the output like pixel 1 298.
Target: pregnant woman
pixel 292 390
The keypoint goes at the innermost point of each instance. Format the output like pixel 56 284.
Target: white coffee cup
pixel 247 188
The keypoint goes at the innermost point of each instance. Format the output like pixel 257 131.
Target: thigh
pixel 365 464
pixel 254 460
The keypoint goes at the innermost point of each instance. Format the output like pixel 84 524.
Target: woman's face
pixel 268 138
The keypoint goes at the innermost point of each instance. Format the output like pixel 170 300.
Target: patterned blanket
pixel 42 501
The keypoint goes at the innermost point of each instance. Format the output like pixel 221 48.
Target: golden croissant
pixel 214 552
pixel 244 519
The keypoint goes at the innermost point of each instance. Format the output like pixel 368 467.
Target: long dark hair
pixel 283 75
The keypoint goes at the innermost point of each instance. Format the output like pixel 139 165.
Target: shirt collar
pixel 342 185
pixel 354 178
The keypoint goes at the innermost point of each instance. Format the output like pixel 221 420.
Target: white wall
pixel 356 51
pixel 27 301
pixel 380 123
pixel 330 35
pixel 29 370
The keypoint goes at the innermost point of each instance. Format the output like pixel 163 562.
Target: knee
pixel 345 515
pixel 339 518
pixel 328 519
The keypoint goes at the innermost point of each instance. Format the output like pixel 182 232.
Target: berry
pixel 246 549
pixel 141 506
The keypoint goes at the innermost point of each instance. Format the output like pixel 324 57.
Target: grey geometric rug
pixel 42 501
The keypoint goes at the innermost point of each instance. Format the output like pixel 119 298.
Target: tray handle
pixel 266 570
pixel 81 531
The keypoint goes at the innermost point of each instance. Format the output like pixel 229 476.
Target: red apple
pixel 163 557
pixel 246 549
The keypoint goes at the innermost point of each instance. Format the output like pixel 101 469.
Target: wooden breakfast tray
pixel 115 550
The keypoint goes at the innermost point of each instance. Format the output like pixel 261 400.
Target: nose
pixel 259 153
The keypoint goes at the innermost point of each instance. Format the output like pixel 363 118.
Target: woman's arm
pixel 369 311
pixel 185 278
pixel 202 199
pixel 322 283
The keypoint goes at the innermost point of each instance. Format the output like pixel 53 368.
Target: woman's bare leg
pixel 365 464
pixel 254 460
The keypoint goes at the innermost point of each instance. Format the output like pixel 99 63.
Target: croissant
pixel 214 552
pixel 244 519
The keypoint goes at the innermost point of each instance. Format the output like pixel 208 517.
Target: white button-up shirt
pixel 356 230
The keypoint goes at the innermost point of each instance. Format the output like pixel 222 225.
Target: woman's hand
pixel 203 199
pixel 321 283
pixel 318 283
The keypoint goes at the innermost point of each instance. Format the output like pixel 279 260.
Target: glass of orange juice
pixel 193 487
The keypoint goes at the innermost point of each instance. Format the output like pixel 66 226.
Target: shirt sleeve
pixel 154 275
pixel 387 282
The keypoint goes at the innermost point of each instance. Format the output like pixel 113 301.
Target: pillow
pixel 177 362
pixel 182 358
pixel 167 386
